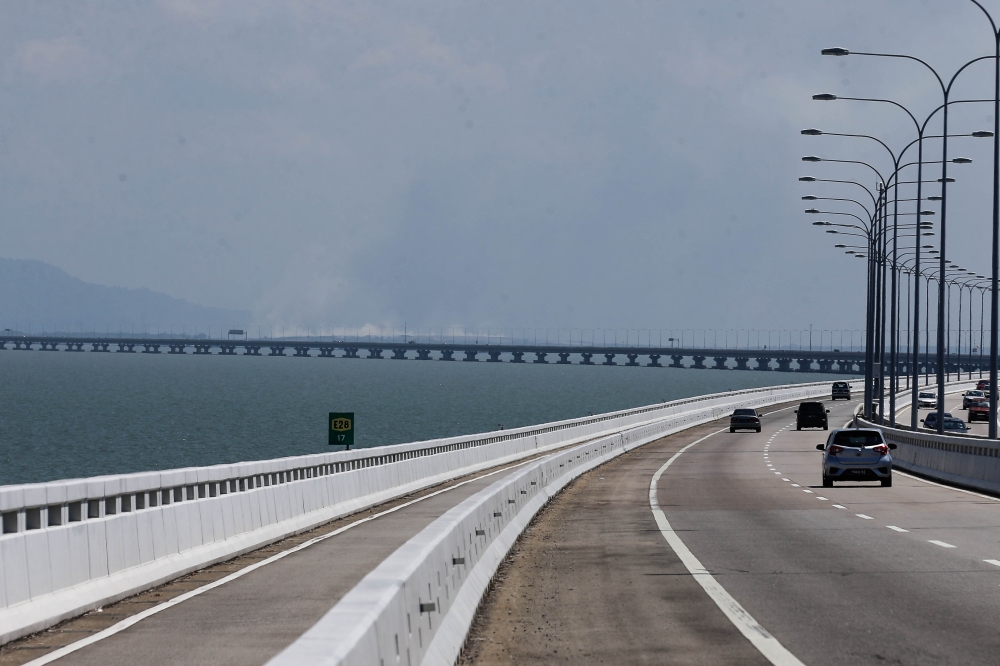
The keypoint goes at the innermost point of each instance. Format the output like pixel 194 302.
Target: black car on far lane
pixel 811 415
pixel 744 419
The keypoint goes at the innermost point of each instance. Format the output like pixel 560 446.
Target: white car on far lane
pixel 928 400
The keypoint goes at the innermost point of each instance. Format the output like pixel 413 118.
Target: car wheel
pixel 825 427
pixel 732 430
pixel 827 482
pixel 798 427
pixel 887 483
pixel 758 429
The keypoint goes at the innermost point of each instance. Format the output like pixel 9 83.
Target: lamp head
pixel 811 211
pixel 962 160
pixel 809 197
pixel 811 132
pixel 812 158
pixel 934 198
pixel 835 51
pixel 927 212
pixel 824 97
pixel 840 245
pixel 983 134
pixel 807 179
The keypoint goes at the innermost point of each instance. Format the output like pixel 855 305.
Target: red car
pixel 983 385
pixel 979 410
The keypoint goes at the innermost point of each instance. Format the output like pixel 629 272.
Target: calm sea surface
pixel 65 415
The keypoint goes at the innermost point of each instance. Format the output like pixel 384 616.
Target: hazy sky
pixel 464 162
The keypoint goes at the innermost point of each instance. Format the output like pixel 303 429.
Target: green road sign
pixel 341 428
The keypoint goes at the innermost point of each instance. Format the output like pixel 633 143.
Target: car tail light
pixel 881 449
pixel 836 450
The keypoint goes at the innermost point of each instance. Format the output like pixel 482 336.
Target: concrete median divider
pixel 416 607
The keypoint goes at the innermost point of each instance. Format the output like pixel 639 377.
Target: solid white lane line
pixel 941 485
pixel 861 515
pixel 773 651
pixel 896 529
pixel 940 543
pixel 139 617
pixel 995 563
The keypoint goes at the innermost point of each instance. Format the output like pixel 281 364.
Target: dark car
pixel 930 421
pixel 841 390
pixel 811 415
pixel 744 419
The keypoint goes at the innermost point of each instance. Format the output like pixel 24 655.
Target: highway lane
pixel 908 574
pixel 952 405
pixel 250 619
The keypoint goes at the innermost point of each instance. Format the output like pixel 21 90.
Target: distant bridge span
pixel 797 360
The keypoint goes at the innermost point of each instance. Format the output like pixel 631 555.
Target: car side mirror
pixel 796 411
pixel 820 447
pixel 828 411
pixel 921 420
pixel 893 447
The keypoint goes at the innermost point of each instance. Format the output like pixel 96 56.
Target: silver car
pixel 856 454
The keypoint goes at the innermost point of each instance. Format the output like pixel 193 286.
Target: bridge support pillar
pixel 742 362
pixel 632 359
pixel 424 355
pixel 825 365
pixel 254 350
pixel 374 352
pixel 126 347
pixel 784 364
pixel 763 363
pixel 586 358
pixel 230 350
pixel 74 346
pixel 177 349
pixel 324 352
pixel 99 346
pixel 563 358
pixel 699 362
pixel 351 352
pixel 447 354
pixel 609 359
pixel 676 361
pixel 470 355
pixel 654 361
pixel 518 357
pixel 494 357
pixel 48 346
pixel 276 350
pixel 540 357
pixel 151 348
pixel 720 362
pixel 805 365
pixel 399 354
pixel 206 349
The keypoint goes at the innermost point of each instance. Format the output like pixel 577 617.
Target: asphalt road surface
pixel 852 574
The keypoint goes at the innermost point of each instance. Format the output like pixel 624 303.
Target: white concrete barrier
pixel 966 460
pixel 416 606
pixel 67 547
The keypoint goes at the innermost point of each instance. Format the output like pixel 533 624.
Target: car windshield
pixel 811 408
pixel 954 424
pixel 840 385
pixel 858 438
pixel 927 395
pixel 974 394
pixel 744 412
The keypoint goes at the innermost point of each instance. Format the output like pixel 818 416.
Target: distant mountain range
pixel 38 294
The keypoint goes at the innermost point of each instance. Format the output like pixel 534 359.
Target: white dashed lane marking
pixel 995 563
pixel 861 515
pixel 822 498
pixel 896 529
pixel 940 543
pixel 839 506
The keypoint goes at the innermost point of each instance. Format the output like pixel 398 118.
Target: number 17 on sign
pixel 341 426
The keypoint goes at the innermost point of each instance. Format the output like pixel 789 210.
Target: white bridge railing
pixel 70 546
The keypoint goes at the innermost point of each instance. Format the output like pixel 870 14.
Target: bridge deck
pixel 594 581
